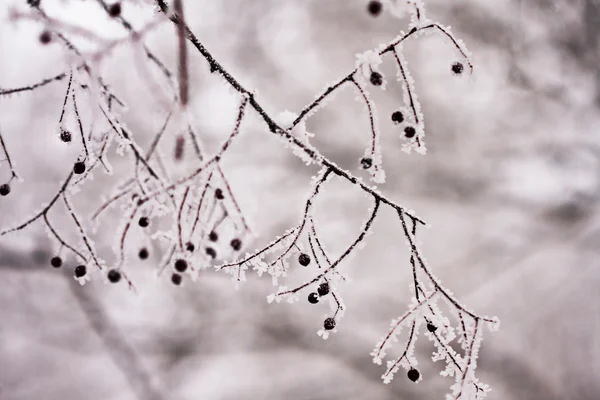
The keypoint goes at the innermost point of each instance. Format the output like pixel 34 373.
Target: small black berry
pixel 114 10
pixel 79 167
pixel 413 375
pixel 189 246
pixel 366 162
pixel 114 276
pixel 329 324
pixel 236 244
pixel 397 117
pixel 45 37
pixel 219 194
pixel 409 132
pixel 211 252
pixel 323 289
pixel 181 265
pixel 376 78
pixel 176 279
pixel 304 259
pixel 4 189
pixel 56 262
pixel 313 298
pixel 65 135
pixel 457 68
pixel 144 222
pixel 143 253
pixel 374 8
pixel 213 236
pixel 431 327
pixel 80 271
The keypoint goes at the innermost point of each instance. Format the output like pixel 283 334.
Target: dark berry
pixel 181 265
pixel 236 244
pixel 304 259
pixel 374 8
pixel 143 253
pixel 45 37
pixel 457 68
pixel 219 194
pixel 213 236
pixel 189 246
pixel 211 252
pixel 409 132
pixel 376 78
pixel 323 289
pixel 176 279
pixel 397 117
pixel 431 327
pixel 329 324
pixel 80 271
pixel 65 136
pixel 366 162
pixel 413 375
pixel 114 10
pixel 56 262
pixel 4 189
pixel 313 298
pixel 79 167
pixel 114 276
pixel 144 222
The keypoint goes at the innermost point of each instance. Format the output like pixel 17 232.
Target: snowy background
pixel 510 186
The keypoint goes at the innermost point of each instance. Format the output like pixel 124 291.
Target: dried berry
pixel 457 68
pixel 219 194
pixel 189 246
pixel 181 265
pixel 176 279
pixel 80 271
pixel 431 327
pixel 213 236
pixel 409 132
pixel 4 189
pixel 329 324
pixel 211 252
pixel 313 298
pixel 56 262
pixel 114 276
pixel 366 162
pixel 397 117
pixel 144 222
pixel 323 289
pixel 374 8
pixel 236 244
pixel 304 259
pixel 79 167
pixel 143 253
pixel 376 78
pixel 413 375
pixel 65 135
pixel 114 10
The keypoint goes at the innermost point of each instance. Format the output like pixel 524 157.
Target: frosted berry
pixel 79 167
pixel 374 8
pixel 304 259
pixel 144 222
pixel 56 262
pixel 219 194
pixel 376 78
pixel 409 132
pixel 323 289
pixel 80 271
pixel 366 162
pixel 211 252
pixel 143 253
pixel 176 279
pixel 181 265
pixel 114 276
pixel 236 244
pixel 413 375
pixel 213 236
pixel 4 189
pixel 189 246
pixel 457 68
pixel 114 10
pixel 45 37
pixel 329 324
pixel 313 298
pixel 65 136
pixel 431 327
pixel 397 117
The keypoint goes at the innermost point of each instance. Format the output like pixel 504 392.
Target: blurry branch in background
pixel 201 197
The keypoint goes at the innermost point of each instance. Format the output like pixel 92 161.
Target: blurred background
pixel 510 187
